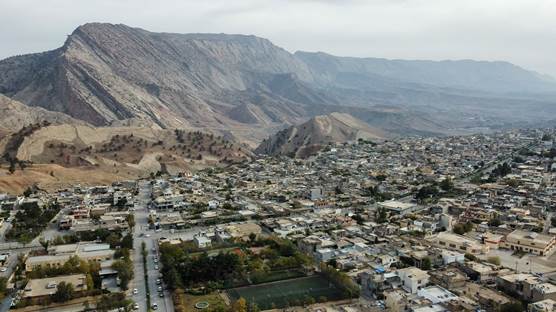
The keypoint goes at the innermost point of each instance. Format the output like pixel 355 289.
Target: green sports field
pixel 287 292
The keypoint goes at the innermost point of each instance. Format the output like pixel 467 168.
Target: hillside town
pixel 453 223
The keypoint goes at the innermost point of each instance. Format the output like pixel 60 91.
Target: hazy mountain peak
pixel 305 139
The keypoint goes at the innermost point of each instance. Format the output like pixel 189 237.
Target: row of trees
pixel 31 220
pixel 340 280
pixel 181 269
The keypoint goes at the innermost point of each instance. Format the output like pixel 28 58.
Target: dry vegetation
pixel 57 156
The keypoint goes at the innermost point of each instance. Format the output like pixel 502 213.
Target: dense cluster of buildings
pixel 421 224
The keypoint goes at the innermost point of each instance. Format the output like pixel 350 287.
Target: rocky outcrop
pixel 307 138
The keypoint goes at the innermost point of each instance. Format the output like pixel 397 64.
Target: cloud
pixel 519 31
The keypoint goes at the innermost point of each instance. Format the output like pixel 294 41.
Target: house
pixel 460 243
pixel 413 279
pixel 519 285
pixel 436 294
pixel 202 241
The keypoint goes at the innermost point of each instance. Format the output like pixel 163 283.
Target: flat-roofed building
pixel 58 255
pixel 399 207
pixel 413 279
pixel 43 287
pixel 531 242
pixel 460 243
pixel 436 294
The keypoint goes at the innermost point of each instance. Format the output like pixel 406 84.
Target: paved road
pixel 140 235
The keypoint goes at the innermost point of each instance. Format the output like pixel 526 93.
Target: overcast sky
pixel 520 31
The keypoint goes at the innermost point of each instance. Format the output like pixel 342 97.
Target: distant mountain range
pixel 246 88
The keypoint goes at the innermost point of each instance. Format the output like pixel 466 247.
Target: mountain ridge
pixel 247 87
pixel 305 139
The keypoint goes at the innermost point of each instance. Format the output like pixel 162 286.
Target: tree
pixel 44 243
pixel 3 286
pixel 470 257
pixel 64 292
pixel 381 215
pixel 127 241
pixel 125 272
pixel 462 228
pixel 113 239
pixel 515 306
pixel 240 305
pixel 130 218
pixel 252 237
pixel 426 192
pixel 494 260
pixel 89 282
pixel 427 263
pixel 447 184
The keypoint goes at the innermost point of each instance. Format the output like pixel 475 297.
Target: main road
pixel 141 234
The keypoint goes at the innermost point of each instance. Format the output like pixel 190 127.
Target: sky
pixel 519 31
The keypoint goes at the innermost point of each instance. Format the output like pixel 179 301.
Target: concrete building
pixel 44 287
pixel 58 255
pixel 531 242
pixel 460 243
pixel 413 279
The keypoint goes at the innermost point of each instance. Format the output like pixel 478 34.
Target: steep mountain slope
pixel 244 87
pixel 109 72
pixel 307 138
pixel 15 115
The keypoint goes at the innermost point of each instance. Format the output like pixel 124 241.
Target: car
pixel 147 235
pixel 155 260
pixel 154 250
pixel 158 282
pixel 159 288
pixel 135 291
pixel 156 267
pixel 3 269
pixel 154 306
pixel 136 306
pixel 161 295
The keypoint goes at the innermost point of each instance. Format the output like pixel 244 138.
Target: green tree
pixel 427 264
pixel 125 272
pixel 515 306
pixel 44 243
pixel 130 218
pixel 494 260
pixel 381 215
pixel 447 184
pixel 64 292
pixel 3 287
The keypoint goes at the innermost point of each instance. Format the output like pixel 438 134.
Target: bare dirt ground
pixel 52 177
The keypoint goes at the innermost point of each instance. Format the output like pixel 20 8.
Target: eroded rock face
pixel 110 72
pixel 307 138
pixel 247 87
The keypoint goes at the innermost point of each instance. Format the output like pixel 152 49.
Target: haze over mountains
pixel 109 82
pixel 247 88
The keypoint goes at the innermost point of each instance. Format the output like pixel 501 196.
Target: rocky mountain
pixel 105 73
pixel 490 77
pixel 245 88
pixel 15 115
pixel 307 138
